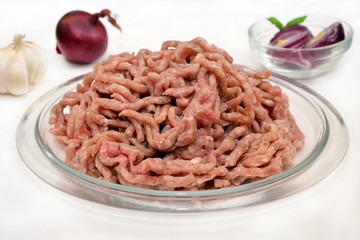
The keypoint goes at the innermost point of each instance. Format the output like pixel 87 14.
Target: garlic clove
pixel 36 69
pixel 16 71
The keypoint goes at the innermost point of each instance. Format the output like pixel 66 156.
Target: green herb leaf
pixel 276 22
pixel 296 21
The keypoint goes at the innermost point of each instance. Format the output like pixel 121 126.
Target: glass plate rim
pixel 241 188
pixel 207 193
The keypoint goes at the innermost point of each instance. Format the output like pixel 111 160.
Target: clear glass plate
pixel 325 146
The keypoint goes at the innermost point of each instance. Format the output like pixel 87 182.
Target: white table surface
pixel 31 209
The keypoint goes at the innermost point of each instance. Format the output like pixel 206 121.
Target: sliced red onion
pixel 292 59
pixel 294 36
pixel 330 35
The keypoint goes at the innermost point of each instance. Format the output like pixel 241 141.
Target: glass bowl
pixel 325 147
pixel 298 63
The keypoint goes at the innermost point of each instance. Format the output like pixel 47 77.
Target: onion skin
pixel 81 37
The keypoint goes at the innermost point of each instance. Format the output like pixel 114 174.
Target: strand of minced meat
pixel 181 118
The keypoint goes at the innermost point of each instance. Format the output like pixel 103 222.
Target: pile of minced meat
pixel 181 118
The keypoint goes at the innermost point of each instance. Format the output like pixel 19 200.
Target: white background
pixel 30 209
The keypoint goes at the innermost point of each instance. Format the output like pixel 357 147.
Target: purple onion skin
pixel 330 35
pixel 294 36
pixel 81 37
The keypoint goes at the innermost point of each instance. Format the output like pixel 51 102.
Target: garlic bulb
pixel 22 64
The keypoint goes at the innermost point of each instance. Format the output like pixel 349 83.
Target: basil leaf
pixel 276 22
pixel 296 21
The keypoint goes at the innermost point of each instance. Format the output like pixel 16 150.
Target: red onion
pixel 330 35
pixel 294 36
pixel 81 37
